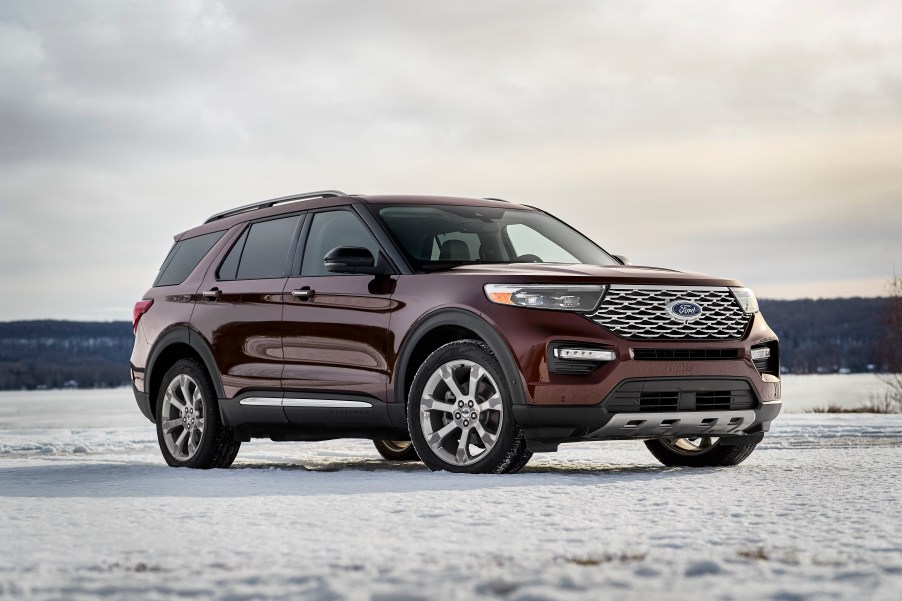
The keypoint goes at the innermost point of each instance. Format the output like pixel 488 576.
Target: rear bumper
pixel 143 400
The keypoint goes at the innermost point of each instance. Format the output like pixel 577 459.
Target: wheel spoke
pixel 170 398
pixel 186 392
pixel 199 424
pixel 463 454
pixel 476 373
pixel 181 440
pixel 448 378
pixel 432 404
pixel 493 403
pixel 435 439
pixel 487 438
pixel 192 446
pixel 171 424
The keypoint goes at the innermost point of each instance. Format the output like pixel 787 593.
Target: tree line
pixel 817 336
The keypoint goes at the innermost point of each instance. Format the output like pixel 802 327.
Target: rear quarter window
pixel 184 257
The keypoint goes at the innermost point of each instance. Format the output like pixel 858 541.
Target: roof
pixel 325 199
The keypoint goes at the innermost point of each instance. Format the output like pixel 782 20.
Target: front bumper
pixel 545 427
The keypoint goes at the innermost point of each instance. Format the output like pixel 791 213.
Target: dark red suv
pixel 468 333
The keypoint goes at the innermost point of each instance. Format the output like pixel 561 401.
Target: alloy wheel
pixel 183 417
pixel 461 412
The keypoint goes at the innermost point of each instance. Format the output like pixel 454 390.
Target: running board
pixel 685 423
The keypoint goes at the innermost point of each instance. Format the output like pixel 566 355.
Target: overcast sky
pixel 758 140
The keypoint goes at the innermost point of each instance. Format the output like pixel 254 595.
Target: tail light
pixel 140 309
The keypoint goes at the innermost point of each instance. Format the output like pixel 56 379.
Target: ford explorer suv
pixel 465 333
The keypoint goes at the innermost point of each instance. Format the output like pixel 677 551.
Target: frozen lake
pixel 88 510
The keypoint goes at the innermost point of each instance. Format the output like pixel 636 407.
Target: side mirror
pixel 623 259
pixel 353 259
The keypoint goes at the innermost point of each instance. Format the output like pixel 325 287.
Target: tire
pixel 456 429
pixel 396 450
pixel 193 435
pixel 703 451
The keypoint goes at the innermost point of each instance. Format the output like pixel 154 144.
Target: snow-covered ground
pixel 804 393
pixel 88 510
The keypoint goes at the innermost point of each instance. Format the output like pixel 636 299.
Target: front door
pixel 335 326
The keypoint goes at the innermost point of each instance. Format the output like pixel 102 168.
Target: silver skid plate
pixel 685 423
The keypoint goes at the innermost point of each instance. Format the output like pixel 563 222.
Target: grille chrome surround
pixel 640 313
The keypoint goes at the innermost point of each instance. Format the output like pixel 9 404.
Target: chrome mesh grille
pixel 640 312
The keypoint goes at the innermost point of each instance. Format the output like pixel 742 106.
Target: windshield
pixel 444 236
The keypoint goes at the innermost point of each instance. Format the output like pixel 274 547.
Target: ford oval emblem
pixel 684 310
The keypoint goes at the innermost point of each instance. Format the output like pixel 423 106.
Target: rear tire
pixel 189 428
pixel 702 451
pixel 396 450
pixel 459 412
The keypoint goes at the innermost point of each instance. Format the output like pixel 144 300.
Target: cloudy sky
pixel 759 140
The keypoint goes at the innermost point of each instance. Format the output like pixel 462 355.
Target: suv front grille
pixel 714 400
pixel 640 312
pixel 691 354
pixel 680 394
pixel 658 401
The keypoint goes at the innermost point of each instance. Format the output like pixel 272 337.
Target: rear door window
pixel 261 251
pixel 184 257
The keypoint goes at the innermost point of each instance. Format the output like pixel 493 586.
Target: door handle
pixel 305 293
pixel 212 294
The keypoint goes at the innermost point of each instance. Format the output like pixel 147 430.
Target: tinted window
pixel 261 251
pixel 184 257
pixel 229 268
pixel 332 229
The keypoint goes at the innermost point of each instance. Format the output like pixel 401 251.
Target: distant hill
pixel 818 336
pixel 827 335
pixel 55 354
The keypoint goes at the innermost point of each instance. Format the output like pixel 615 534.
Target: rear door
pixel 335 333
pixel 240 309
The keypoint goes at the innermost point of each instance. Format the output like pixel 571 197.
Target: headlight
pixel 746 298
pixel 539 296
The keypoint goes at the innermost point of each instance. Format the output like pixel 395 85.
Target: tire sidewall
pixel 492 461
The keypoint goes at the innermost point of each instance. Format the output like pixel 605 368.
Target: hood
pixel 540 273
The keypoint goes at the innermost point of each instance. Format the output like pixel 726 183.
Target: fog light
pixel 584 354
pixel 760 353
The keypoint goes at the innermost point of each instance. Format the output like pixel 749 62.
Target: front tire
pixel 189 428
pixel 459 412
pixel 700 451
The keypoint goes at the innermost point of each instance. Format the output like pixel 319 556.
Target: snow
pixel 89 510
pixel 807 392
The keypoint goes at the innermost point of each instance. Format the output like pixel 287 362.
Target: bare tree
pixel 891 344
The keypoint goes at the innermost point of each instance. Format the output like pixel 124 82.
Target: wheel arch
pixel 444 326
pixel 179 342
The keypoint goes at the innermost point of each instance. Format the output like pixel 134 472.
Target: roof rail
pixel 273 202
